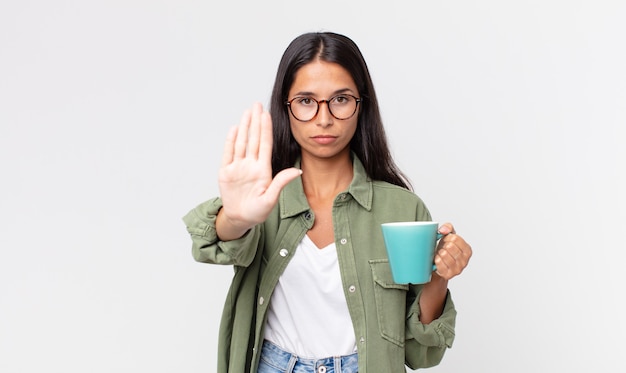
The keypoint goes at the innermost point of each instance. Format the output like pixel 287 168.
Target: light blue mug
pixel 411 250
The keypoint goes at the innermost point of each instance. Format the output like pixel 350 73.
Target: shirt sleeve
pixel 426 344
pixel 207 247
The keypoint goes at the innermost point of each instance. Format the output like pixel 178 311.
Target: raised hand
pixel 247 189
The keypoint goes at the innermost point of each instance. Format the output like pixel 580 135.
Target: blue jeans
pixel 275 360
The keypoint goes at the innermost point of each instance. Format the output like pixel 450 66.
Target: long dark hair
pixel 369 142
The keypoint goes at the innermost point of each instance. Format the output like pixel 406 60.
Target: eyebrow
pixel 339 91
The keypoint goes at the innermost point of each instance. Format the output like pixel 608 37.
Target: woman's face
pixel 324 136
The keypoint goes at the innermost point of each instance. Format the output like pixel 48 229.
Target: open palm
pixel 247 189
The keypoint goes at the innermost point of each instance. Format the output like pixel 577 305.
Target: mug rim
pixel 410 223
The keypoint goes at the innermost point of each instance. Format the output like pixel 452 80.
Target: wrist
pixel 436 284
pixel 228 229
pixel 432 298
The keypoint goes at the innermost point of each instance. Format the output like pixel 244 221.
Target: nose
pixel 324 117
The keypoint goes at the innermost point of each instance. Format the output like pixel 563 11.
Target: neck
pixel 325 178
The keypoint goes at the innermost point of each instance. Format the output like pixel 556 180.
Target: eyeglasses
pixel 305 108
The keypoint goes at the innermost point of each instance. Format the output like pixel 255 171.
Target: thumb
pixel 446 228
pixel 281 179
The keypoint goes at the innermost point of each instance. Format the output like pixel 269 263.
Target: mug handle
pixel 439 236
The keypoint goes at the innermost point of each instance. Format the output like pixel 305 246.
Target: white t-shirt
pixel 308 314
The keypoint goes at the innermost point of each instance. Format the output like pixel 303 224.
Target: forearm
pixel 433 299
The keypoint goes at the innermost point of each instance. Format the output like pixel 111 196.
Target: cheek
pixel 353 128
pixel 295 130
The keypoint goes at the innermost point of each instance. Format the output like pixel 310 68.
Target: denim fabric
pixel 275 360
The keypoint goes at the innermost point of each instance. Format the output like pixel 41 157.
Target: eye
pixel 341 99
pixel 304 101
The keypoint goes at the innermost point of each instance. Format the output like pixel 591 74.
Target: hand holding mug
pixel 414 253
pixel 453 253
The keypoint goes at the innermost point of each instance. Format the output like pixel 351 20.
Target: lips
pixel 324 139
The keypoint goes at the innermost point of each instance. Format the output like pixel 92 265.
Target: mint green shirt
pixel 385 315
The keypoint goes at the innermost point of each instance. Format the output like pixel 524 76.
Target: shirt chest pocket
pixel 390 302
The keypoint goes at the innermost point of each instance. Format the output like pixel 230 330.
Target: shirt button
pixel 343 241
pixel 307 215
pixel 283 252
pixel 261 301
pixel 362 340
pixel 343 197
pixel 352 288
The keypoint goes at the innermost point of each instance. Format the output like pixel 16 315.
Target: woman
pixel 302 195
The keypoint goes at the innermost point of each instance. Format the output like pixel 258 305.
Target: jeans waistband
pixel 282 361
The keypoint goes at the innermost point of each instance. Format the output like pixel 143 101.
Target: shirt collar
pixel 293 201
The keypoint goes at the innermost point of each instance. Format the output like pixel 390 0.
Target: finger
pixel 452 257
pixel 442 266
pixel 450 251
pixel 254 132
pixel 447 266
pixel 280 180
pixel 229 147
pixel 266 139
pixel 446 228
pixel 465 252
pixel 457 247
pixel 241 141
pixel 450 244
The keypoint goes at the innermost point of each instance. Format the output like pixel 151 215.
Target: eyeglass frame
pixel 357 99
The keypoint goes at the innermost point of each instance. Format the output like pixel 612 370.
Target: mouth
pixel 324 139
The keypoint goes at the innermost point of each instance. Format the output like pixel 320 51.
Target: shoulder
pixel 397 201
pixel 385 189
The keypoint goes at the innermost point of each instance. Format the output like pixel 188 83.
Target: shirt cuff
pixel 438 333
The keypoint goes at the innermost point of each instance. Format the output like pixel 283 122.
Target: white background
pixel 509 117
